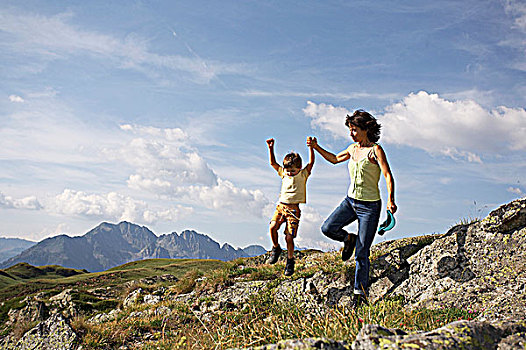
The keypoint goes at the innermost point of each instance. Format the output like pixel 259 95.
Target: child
pixel 293 192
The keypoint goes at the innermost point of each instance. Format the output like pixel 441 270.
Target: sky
pixel 157 112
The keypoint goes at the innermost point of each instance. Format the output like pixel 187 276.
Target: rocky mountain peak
pixel 109 245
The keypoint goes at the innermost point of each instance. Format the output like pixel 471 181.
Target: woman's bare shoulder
pixel 351 146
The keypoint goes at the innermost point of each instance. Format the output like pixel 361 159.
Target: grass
pixel 35 279
pixel 263 322
pixel 50 279
pixel 26 271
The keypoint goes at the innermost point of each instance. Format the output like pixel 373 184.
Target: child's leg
pixel 291 230
pixel 273 228
pixel 290 245
pixel 275 224
pixel 275 252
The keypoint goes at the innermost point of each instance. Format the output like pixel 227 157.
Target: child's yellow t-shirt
pixel 293 188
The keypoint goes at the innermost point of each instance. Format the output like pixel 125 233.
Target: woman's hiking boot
pixel 289 267
pixel 274 255
pixel 359 300
pixel 348 246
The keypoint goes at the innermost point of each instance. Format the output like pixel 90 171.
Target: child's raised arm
pixel 272 157
pixel 311 141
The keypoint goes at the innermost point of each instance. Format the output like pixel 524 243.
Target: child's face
pixel 292 171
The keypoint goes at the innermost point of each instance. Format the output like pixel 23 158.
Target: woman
pixel 366 160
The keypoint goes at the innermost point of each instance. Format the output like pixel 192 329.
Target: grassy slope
pixel 25 271
pixel 30 279
pixel 263 320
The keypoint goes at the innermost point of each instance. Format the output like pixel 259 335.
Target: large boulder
pixel 51 334
pixel 479 266
pixel 457 335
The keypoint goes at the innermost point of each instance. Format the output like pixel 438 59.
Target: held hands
pixel 270 143
pixel 312 142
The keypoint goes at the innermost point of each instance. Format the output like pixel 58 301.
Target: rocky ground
pixel 480 267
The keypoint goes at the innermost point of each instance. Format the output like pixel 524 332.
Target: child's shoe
pixel 274 255
pixel 348 246
pixel 289 267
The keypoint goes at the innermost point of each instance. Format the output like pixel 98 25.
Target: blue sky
pixel 157 112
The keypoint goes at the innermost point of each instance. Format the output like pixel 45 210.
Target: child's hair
pixel 291 160
pixel 365 121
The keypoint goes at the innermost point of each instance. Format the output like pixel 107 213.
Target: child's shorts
pixel 291 214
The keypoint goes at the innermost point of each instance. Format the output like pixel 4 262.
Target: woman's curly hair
pixel 364 120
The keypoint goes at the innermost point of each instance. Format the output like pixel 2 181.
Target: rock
pixel 132 298
pixel 158 279
pixel 105 317
pixel 151 299
pixel 63 302
pixel 391 268
pixel 51 334
pixel 474 267
pixel 160 311
pixel 35 310
pixel 305 344
pixel 507 218
pixel 457 335
pixel 315 293
pixel 136 314
pixel 232 297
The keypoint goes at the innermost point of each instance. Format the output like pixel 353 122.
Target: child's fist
pixel 312 141
pixel 270 142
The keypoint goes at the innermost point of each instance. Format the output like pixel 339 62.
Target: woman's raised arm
pixel 329 156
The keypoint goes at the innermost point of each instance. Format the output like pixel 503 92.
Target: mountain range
pixel 10 247
pixel 109 245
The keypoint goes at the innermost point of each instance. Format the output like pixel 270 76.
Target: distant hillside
pixel 109 245
pixel 10 247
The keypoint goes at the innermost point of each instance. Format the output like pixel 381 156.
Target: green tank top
pixel 364 176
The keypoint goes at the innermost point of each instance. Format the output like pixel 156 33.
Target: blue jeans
pixel 368 214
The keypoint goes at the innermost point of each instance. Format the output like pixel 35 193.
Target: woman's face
pixel 357 134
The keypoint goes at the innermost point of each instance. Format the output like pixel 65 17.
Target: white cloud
pixel 228 198
pixel 459 129
pixel 44 129
pixel 60 229
pixel 309 232
pixel 15 98
pixel 328 117
pixel 112 206
pixel 223 197
pixel 173 134
pixel 456 128
pixel 167 166
pixel 342 96
pixel 516 39
pixel 517 9
pixel 516 190
pixel 159 161
pixel 29 203
pixel 52 38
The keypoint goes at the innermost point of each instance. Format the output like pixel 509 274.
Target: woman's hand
pixel 391 206
pixel 312 142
